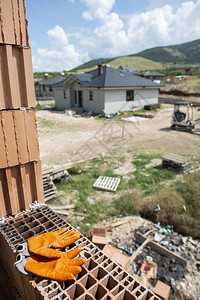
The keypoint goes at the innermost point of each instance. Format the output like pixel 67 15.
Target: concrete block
pixel 14 24
pixel 16 78
pixel 162 290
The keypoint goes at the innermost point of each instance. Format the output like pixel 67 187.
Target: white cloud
pixel 61 55
pixel 161 24
pixel 165 25
pixel 97 8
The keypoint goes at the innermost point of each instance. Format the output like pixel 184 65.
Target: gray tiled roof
pixel 110 78
pixel 116 78
pixel 152 73
pixel 52 80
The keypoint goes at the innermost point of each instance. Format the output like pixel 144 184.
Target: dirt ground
pixel 63 139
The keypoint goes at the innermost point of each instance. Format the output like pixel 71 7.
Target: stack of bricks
pixel 20 165
pixel 100 278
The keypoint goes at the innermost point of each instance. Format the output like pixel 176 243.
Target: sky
pixel 64 34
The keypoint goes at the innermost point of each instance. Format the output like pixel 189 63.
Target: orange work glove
pixel 61 269
pixel 46 244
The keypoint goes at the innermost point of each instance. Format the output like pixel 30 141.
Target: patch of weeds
pixel 47 123
pixel 179 206
pixel 128 204
pixel 50 106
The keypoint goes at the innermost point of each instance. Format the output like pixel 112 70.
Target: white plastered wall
pixel 115 100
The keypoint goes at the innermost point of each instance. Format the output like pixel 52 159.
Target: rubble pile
pixel 178 268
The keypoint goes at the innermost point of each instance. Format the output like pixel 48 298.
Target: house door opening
pixel 80 98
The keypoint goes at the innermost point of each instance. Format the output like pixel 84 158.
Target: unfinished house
pixel 22 209
pixel 105 90
pixel 43 88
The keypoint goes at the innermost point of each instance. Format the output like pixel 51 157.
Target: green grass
pixel 50 106
pixel 138 63
pixel 138 193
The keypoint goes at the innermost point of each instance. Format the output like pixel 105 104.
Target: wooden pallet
pixel 177 159
pixel 107 183
pixel 176 162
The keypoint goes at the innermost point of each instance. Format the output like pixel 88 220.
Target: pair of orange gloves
pixel 49 261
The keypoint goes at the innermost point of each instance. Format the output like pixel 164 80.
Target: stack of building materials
pixel 100 278
pixel 152 106
pixel 98 236
pixel 176 162
pixel 20 165
pixel 49 188
pixel 57 173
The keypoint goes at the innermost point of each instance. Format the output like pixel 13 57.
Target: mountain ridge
pixel 185 53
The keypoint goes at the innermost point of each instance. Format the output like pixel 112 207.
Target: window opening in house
pixel 43 88
pixel 75 97
pixel 50 89
pixel 64 94
pixel 130 95
pixel 91 95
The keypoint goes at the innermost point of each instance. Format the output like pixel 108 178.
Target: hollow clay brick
pixel 93 282
pixel 20 186
pixel 162 290
pixel 8 129
pixel 16 78
pixel 98 291
pixel 13 22
pixel 99 231
pixel 115 254
pixel 18 138
pixel 32 137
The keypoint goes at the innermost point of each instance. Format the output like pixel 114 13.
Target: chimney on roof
pixel 100 68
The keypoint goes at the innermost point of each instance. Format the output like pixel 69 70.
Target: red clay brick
pixel 20 186
pixel 18 138
pixel 16 78
pixel 162 290
pixel 13 23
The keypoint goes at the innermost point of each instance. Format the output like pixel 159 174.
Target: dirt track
pixel 71 138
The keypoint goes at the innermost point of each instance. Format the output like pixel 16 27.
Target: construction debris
pixel 57 173
pixel 107 183
pixel 176 162
pixel 147 271
pixel 160 249
pixel 176 256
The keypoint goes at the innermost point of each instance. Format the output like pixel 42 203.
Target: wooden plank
pixel 121 222
pixel 68 206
